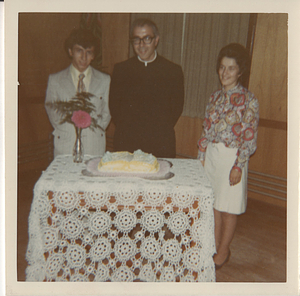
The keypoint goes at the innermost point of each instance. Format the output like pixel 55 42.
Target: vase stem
pixel 78 147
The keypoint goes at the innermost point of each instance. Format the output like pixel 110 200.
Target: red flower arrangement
pixel 81 119
pixel 77 111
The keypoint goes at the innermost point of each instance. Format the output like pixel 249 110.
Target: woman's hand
pixel 234 177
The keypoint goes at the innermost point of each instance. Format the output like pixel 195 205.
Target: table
pixel 118 229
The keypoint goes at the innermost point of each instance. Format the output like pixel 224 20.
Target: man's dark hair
pixel 241 55
pixel 84 38
pixel 141 22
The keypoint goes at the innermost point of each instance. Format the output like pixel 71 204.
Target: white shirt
pixel 86 80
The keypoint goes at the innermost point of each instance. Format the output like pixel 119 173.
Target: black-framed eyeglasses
pixel 146 40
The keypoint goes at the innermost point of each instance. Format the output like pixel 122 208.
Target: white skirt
pixel 218 163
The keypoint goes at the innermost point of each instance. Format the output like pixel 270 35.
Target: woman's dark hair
pixel 241 56
pixel 84 38
pixel 141 22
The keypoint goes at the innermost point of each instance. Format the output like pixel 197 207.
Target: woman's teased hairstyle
pixel 241 56
pixel 84 38
pixel 141 22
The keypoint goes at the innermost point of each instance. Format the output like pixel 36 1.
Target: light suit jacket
pixel 61 87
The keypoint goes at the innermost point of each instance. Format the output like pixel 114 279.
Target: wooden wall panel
pixel 268 80
pixel 33 123
pixel 115 46
pixel 41 50
pixel 115 39
pixel 271 154
pixel 188 131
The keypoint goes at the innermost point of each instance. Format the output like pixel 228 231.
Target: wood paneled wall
pixel 188 131
pixel 268 80
pixel 41 52
pixel 115 43
pixel 115 46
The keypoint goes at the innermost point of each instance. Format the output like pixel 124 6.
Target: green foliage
pixel 81 102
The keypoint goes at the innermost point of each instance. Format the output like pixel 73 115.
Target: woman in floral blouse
pixel 229 138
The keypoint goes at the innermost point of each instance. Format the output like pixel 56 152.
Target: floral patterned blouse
pixel 231 118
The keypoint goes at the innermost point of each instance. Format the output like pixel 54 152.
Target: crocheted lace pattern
pixel 86 229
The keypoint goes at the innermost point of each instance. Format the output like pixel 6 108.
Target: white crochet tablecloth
pixel 84 228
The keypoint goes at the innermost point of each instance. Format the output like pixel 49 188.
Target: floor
pixel 258 250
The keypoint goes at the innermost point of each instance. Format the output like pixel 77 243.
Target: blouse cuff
pixel 237 168
pixel 201 155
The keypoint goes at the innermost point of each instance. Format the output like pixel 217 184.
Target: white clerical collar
pixel 146 62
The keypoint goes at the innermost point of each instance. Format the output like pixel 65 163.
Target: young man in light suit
pixel 82 47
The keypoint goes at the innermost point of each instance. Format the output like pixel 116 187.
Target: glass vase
pixel 78 147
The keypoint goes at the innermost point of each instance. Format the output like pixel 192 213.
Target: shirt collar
pixel 146 62
pixel 75 73
pixel 75 76
pixel 231 90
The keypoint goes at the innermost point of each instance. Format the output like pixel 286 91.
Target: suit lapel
pixel 94 84
pixel 68 81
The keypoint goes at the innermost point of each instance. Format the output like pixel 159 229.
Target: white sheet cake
pixel 137 162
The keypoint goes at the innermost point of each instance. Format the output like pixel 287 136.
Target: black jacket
pixel 145 104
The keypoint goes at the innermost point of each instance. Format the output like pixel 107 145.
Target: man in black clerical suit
pixel 146 96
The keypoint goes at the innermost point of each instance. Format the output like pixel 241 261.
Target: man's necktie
pixel 81 86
